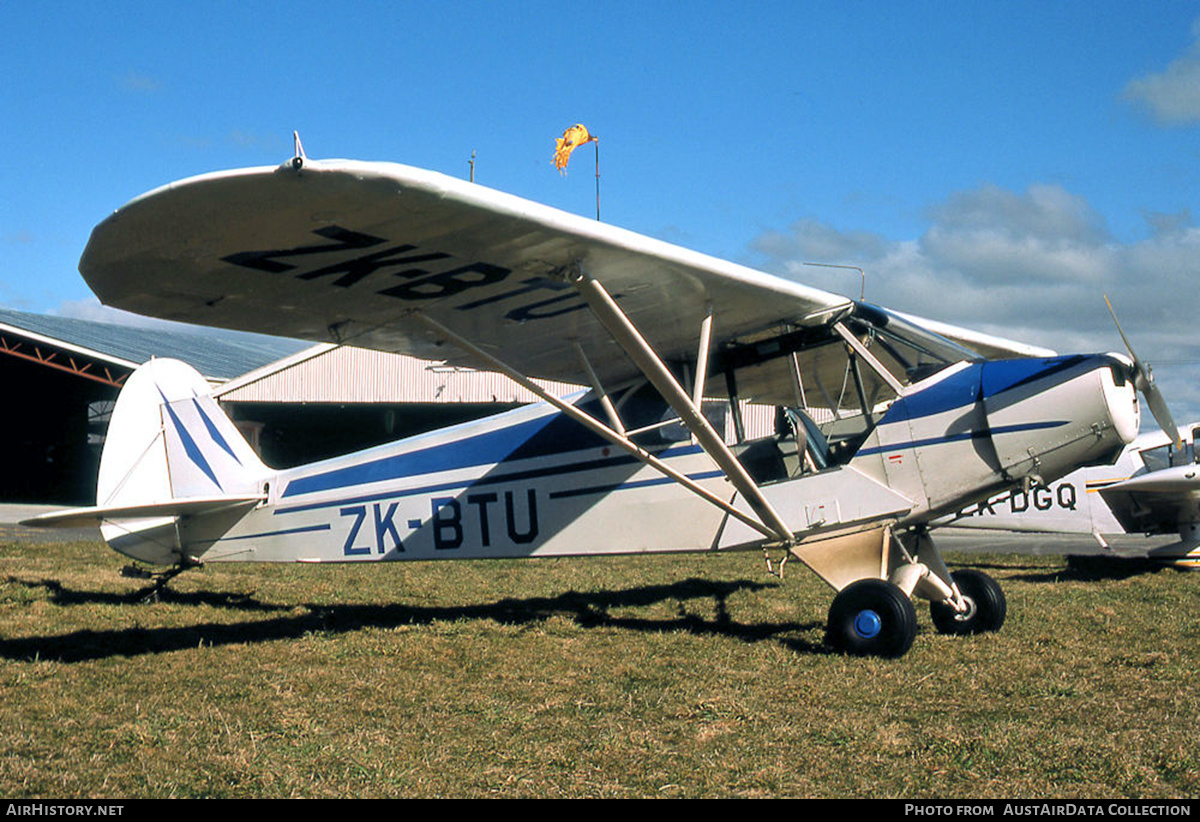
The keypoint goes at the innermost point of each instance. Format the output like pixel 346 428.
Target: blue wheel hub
pixel 867 624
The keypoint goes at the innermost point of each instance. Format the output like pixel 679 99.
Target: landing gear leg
pixel 985 602
pixel 963 602
pixel 155 592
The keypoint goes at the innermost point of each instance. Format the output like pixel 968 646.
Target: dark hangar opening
pixel 54 417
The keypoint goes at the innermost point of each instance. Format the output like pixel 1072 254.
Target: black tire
pixel 872 617
pixel 986 606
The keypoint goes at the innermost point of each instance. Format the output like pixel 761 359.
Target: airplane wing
pixel 988 346
pixel 1156 502
pixel 348 252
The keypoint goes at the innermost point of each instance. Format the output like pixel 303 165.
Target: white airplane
pixel 400 259
pixel 1152 489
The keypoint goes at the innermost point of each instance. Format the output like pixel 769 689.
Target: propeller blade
pixel 1143 380
pixel 1158 407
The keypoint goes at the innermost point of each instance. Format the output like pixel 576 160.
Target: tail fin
pixel 169 440
pixel 170 452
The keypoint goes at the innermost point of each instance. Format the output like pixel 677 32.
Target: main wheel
pixel 986 605
pixel 872 617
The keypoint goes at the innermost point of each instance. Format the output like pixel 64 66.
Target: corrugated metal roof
pixel 215 353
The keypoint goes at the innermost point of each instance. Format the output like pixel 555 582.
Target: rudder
pixel 168 440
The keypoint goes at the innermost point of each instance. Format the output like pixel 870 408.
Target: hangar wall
pixel 330 400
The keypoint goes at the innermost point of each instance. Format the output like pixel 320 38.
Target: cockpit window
pixel 1156 459
pixel 906 349
pixel 1167 456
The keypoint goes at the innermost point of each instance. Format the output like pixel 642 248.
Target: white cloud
pixel 91 308
pixel 1172 96
pixel 1031 266
pixel 821 243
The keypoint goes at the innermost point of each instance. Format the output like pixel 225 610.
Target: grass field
pixel 693 676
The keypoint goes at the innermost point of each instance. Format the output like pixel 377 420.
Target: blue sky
pixel 998 165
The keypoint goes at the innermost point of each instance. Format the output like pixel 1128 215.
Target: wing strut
pixel 591 423
pixel 614 418
pixel 701 378
pixel 626 334
pixel 876 366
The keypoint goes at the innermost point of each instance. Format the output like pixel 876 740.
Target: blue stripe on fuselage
pixel 965 435
pixel 481 449
pixel 596 490
pixel 1004 375
pixel 959 390
pixel 980 380
pixel 582 467
pixel 523 438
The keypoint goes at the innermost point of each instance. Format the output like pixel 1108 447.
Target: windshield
pixel 1167 456
pixel 848 369
pixel 906 349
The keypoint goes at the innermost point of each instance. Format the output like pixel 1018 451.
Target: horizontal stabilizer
pixel 95 515
pixel 1180 479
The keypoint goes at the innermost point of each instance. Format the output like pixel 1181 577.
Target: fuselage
pixel 533 482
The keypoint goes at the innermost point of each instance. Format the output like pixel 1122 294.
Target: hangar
pixel 295 401
pixel 61 376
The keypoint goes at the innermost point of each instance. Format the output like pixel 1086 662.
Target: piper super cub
pixel 394 258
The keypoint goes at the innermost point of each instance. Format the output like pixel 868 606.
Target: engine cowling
pixel 1047 417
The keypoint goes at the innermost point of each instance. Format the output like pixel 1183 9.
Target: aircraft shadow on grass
pixel 1079 568
pixel 1097 569
pixel 588 610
